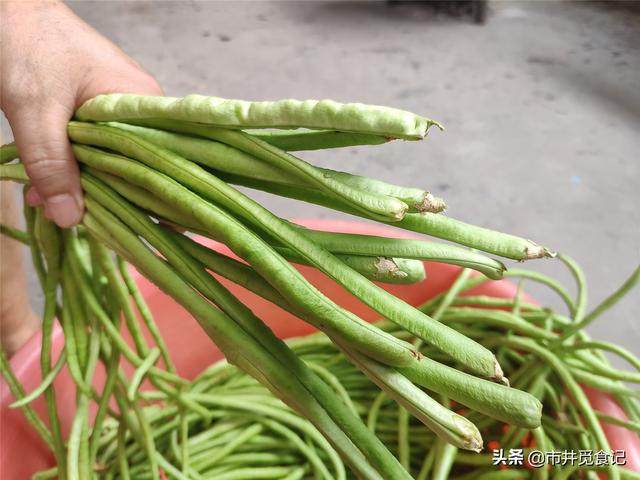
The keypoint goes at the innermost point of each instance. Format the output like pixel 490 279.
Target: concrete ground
pixel 539 104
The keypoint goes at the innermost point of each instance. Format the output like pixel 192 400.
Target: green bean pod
pixel 296 140
pixel 8 153
pixel 401 271
pixel 327 315
pixel 14 172
pixel 14 233
pixel 234 342
pixel 466 351
pixel 440 226
pixel 229 304
pixel 383 269
pixel 497 401
pixel 356 244
pixel 473 236
pixel 450 426
pixel 47 238
pixel 44 384
pixel 224 158
pixel 18 392
pixel 239 114
pixel 372 205
pixel 238 272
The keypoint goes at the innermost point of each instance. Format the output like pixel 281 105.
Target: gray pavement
pixel 541 107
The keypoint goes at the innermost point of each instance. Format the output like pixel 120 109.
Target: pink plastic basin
pixel 22 452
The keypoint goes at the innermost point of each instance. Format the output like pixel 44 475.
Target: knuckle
pixel 41 155
pixel 48 171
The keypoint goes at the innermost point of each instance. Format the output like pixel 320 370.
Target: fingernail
pixel 63 210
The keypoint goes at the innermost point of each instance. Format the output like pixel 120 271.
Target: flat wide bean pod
pixel 240 114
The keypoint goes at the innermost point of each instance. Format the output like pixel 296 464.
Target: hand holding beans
pixel 51 63
pixel 171 163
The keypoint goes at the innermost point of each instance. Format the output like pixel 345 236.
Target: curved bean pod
pixel 454 428
pixel 611 300
pixel 224 158
pixel 495 400
pixel 568 380
pixel 44 384
pixel 377 206
pixel 217 325
pixel 466 351
pixel 18 392
pixel 325 314
pixel 14 233
pixel 140 373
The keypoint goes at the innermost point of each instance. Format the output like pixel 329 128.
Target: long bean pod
pixel 215 292
pixel 221 329
pixel 440 226
pixel 452 427
pixel 377 206
pixel 312 114
pixel 468 352
pixel 224 158
pixel 350 326
pixel 295 140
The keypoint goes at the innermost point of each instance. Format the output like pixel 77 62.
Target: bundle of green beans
pixel 152 162
pixel 242 431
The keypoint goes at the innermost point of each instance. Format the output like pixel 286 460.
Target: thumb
pixel 41 138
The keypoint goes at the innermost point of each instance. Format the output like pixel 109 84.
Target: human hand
pixel 50 63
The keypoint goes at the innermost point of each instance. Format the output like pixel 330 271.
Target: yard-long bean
pixel 141 183
pixel 335 319
pixel 221 157
pixel 294 140
pixel 221 328
pixel 467 352
pixel 439 226
pixel 373 205
pixel 312 114
pixel 228 303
